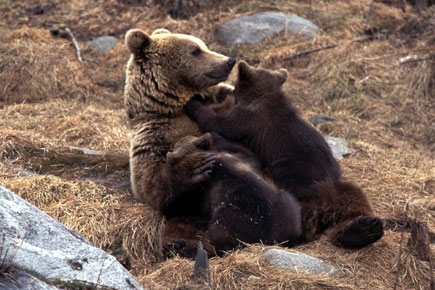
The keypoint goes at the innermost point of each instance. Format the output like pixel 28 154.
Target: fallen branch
pixel 73 39
pixel 399 260
pixel 414 58
pixel 309 51
pixel 366 22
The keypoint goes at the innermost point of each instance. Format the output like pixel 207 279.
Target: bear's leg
pixel 231 223
pixel 356 233
pixel 181 235
pixel 356 225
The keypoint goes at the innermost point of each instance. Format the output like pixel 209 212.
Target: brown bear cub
pixel 164 71
pixel 237 202
pixel 297 156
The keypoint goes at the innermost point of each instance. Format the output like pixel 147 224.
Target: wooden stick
pixel 410 59
pixel 399 260
pixel 73 39
pixel 366 22
pixel 309 51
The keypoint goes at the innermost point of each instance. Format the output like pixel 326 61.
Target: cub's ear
pixel 282 75
pixel 136 40
pixel 161 31
pixel 245 71
pixel 204 142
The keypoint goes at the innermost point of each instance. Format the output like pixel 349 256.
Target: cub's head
pixel 189 145
pixel 252 83
pixel 178 61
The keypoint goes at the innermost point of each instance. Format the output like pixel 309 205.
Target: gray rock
pixel 319 119
pixel 339 147
pixel 103 43
pixel 24 281
pixel 42 246
pixel 86 151
pixel 254 28
pixel 300 263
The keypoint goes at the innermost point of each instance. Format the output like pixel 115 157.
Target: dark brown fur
pixel 164 71
pixel 237 202
pixel 298 157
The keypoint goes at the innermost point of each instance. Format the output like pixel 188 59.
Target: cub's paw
pixel 182 248
pixel 217 139
pixel 195 168
pixel 217 94
pixel 191 107
pixel 361 232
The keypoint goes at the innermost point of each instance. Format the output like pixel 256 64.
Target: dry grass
pixel 49 101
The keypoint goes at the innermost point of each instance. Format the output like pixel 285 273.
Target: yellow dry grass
pixel 49 101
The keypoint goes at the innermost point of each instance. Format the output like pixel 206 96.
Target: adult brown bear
pixel 297 155
pixel 164 71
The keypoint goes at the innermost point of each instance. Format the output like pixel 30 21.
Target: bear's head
pixel 252 83
pixel 189 145
pixel 172 67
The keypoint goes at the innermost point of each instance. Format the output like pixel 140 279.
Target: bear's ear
pixel 161 31
pixel 245 71
pixel 204 142
pixel 136 40
pixel 282 75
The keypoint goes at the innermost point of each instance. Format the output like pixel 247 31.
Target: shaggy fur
pixel 237 202
pixel 164 71
pixel 298 157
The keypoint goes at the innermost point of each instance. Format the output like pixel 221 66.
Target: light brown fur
pixel 164 71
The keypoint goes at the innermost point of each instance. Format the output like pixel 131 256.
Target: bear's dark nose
pixel 231 62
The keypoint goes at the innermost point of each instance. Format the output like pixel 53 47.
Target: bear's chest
pixel 182 126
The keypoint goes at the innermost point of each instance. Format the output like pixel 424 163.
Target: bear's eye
pixel 196 52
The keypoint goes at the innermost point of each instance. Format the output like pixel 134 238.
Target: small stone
pixel 300 263
pixel 103 43
pixel 86 151
pixel 254 28
pixel 319 119
pixel 339 147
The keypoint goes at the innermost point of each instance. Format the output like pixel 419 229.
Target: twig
pixel 73 39
pixel 101 269
pixel 309 51
pixel 432 281
pixel 400 250
pixel 414 58
pixel 366 22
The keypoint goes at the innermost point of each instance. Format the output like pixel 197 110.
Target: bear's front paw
pixel 191 107
pixel 202 166
pixel 361 232
pixel 182 248
pixel 196 167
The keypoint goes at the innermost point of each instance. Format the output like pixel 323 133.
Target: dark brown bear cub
pixel 297 155
pixel 238 203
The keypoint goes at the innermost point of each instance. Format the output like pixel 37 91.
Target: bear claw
pixel 361 232
pixel 181 248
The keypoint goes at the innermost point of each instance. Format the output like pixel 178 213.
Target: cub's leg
pixel 357 226
pixel 181 235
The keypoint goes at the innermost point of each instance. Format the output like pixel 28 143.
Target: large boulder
pixel 254 28
pixel 40 245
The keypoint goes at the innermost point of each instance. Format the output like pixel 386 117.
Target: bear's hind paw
pixel 361 232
